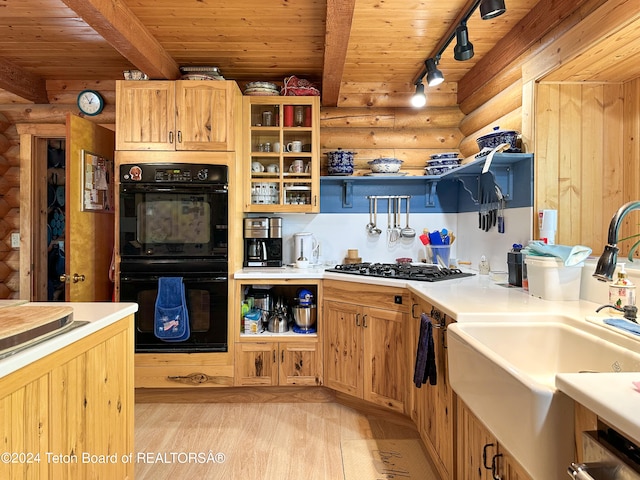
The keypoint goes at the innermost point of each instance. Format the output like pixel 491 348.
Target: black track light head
pixel 491 8
pixel 434 76
pixel 464 48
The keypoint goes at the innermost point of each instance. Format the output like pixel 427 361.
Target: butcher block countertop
pixel 20 326
pixel 91 316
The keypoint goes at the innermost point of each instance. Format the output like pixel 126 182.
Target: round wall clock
pixel 90 102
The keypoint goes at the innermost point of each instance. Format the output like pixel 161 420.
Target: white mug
pixel 276 147
pixel 297 166
pixel 273 168
pixel 257 167
pixel 295 146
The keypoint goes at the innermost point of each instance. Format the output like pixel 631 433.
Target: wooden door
pixel 89 234
pixel 343 347
pixel 256 363
pixel 385 372
pixel 146 115
pixel 300 364
pixel 205 115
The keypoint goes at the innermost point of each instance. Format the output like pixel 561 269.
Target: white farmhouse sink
pixel 505 372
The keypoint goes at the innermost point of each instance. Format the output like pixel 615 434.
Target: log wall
pixel 409 134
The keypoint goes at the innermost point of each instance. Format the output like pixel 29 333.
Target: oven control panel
pixel 174 173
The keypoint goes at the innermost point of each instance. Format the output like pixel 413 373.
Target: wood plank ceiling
pixel 345 46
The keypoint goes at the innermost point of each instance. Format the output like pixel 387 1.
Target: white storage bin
pixel 550 279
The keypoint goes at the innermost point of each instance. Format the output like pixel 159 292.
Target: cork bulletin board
pixel 97 183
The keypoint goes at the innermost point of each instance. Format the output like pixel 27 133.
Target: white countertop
pixel 99 315
pixel 610 395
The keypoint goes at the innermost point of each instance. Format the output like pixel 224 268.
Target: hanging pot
pixel 340 162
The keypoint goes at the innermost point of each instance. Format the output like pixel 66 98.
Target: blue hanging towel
pixel 425 367
pixel 171 316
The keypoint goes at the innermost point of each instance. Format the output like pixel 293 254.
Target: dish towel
pixel 624 325
pixel 171 315
pixel 569 255
pixel 425 368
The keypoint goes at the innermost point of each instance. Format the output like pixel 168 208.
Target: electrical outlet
pixel 15 240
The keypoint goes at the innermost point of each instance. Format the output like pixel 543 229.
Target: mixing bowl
pixel 305 317
pixel 385 165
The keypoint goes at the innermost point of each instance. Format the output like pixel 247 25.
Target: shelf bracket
pixel 430 193
pixel 347 194
pixel 470 183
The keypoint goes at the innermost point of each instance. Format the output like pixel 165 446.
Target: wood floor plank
pixel 258 441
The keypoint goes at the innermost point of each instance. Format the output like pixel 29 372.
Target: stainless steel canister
pixel 275 227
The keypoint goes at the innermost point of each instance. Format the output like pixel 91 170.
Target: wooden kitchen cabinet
pixel 77 400
pixel 278 358
pixel 278 180
pixel 278 363
pixel 480 455
pixel 433 407
pixel 364 352
pixel 181 115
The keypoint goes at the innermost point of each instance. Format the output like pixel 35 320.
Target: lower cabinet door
pixel 256 363
pixel 300 364
pixel 283 363
pixel 384 360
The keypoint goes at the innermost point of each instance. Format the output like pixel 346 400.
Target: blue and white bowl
pixel 440 156
pixel 497 137
pixel 385 165
pixel 340 162
pixel 443 161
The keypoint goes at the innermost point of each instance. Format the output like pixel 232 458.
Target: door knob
pixel 64 278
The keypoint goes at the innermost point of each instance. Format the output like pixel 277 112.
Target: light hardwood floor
pixel 258 440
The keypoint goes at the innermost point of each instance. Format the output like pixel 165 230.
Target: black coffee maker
pixel 263 242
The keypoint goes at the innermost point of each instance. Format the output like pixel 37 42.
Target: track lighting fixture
pixel 464 48
pixel 419 99
pixel 491 8
pixel 434 76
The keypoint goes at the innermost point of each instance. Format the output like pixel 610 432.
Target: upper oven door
pixel 173 220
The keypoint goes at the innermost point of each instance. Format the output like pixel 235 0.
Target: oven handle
pixel 190 279
pixel 187 189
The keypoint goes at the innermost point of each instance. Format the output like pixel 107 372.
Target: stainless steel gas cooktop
pixel 401 271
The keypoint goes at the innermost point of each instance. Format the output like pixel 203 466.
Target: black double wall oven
pixel 173 223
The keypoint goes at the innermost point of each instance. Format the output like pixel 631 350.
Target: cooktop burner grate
pixel 401 271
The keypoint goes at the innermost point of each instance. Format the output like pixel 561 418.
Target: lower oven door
pixel 207 305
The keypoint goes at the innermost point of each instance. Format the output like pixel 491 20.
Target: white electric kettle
pixel 305 242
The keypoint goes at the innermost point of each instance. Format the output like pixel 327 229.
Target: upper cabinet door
pixel 182 115
pixel 205 115
pixel 145 115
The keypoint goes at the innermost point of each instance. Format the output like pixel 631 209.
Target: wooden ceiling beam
pixel 113 20
pixel 543 18
pixel 15 80
pixel 336 43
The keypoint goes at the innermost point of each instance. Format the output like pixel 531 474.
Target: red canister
pixel 307 116
pixel 288 116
